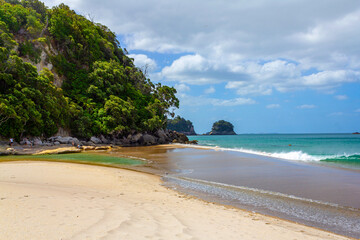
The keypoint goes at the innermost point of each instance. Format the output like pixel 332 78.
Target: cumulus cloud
pixel 182 88
pixel 254 46
pixel 144 62
pixel 254 77
pixel 306 106
pixel 275 105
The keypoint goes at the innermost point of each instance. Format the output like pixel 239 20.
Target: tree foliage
pixel 181 125
pixel 102 91
pixel 222 127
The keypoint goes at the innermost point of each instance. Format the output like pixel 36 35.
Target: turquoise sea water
pixel 339 149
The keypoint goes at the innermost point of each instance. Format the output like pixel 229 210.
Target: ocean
pixel 313 179
pixel 333 149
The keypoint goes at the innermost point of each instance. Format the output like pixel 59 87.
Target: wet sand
pixel 233 178
pixel 51 200
pixel 321 196
pixel 316 182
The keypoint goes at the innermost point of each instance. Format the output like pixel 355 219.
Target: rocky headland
pixel 181 125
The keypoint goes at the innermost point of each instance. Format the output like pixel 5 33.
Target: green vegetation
pixel 98 89
pixel 181 125
pixel 222 128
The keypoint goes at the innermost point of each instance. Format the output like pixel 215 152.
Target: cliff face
pixel 222 128
pixel 46 50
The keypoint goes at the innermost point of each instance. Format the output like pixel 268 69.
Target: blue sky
pixel 281 66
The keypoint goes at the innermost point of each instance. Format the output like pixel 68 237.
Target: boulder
pixel 124 142
pixel 37 141
pixel 95 140
pixel 89 143
pixel 161 134
pixel 120 142
pixel 162 140
pixel 178 137
pixel 137 138
pixel 56 143
pixel 64 140
pixel 192 142
pixel 104 140
pixel 149 139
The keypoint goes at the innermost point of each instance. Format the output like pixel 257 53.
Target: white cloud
pixel 210 90
pixel 143 62
pixel 254 46
pixel 357 110
pixel 275 105
pixel 182 88
pixel 232 102
pixel 189 100
pixel 341 97
pixel 253 77
pixel 328 79
pixel 306 106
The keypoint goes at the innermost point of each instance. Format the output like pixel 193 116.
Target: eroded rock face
pixel 95 140
pixel 104 140
pixel 37 141
pixel 137 138
pixel 63 140
pixel 149 139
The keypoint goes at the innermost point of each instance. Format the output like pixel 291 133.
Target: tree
pixel 181 125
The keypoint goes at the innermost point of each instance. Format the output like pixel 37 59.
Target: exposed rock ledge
pixel 72 144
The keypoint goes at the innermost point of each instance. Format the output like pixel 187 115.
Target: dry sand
pixel 45 200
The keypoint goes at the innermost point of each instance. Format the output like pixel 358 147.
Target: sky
pixel 280 66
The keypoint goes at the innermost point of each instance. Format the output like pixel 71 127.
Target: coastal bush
pixel 102 92
pixel 181 125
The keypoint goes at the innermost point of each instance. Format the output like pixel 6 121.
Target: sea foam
pixel 293 155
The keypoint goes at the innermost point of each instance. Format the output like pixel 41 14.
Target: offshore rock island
pixel 222 127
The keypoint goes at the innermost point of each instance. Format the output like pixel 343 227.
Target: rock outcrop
pixel 222 128
pixel 181 125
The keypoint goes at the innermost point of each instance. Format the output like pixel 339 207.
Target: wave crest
pixel 293 155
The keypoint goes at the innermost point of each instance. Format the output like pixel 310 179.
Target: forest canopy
pixel 59 69
pixel 181 125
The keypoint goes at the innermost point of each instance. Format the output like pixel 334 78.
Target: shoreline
pixel 155 154
pixel 17 180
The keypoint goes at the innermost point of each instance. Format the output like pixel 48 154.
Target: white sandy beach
pixel 48 200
